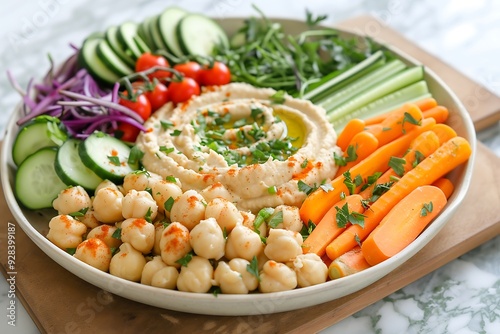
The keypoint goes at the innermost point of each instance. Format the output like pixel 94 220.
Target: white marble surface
pixel 461 297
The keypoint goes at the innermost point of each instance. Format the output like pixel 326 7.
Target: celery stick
pixel 411 93
pixel 366 82
pixel 393 84
pixel 375 60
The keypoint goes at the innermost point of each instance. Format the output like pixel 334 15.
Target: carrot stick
pixel 423 105
pixel 426 104
pixel 347 264
pixel 319 201
pixel 439 113
pixel 396 124
pixel 445 185
pixel 421 147
pixel 404 222
pixel 364 143
pixel 328 228
pixel 447 157
pixel 353 127
pixel 444 132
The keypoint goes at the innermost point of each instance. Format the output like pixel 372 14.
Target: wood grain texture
pixel 60 302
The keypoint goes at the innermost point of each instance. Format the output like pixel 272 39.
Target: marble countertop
pixel 462 296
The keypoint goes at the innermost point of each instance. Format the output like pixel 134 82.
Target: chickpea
pixel 105 233
pixel 233 277
pixel 283 245
pixel 151 268
pixel 188 209
pixel 89 219
pixel 291 218
pixel 139 234
pixel 138 180
pixel 162 190
pixel 174 244
pixel 216 190
pixel 66 232
pixel 139 204
pixel 243 243
pixel 128 263
pixel 225 213
pixel 106 184
pixel 94 252
pixel 276 277
pixel 207 239
pixel 196 276
pixel 310 269
pixel 107 205
pixel 72 199
pixel 165 278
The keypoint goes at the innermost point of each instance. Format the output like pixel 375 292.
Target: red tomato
pixel 158 96
pixel 216 75
pixel 127 132
pixel 190 69
pixel 140 105
pixel 148 60
pixel 181 91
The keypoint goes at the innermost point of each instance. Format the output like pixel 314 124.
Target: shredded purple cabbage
pixel 71 94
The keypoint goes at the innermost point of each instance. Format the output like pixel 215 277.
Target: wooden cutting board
pixel 60 302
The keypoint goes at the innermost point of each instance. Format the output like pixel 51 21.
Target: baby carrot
pixel 444 132
pixel 439 113
pixel 420 148
pixel 319 201
pixel 329 228
pixel 445 185
pixel 363 144
pixel 423 105
pixel 448 156
pixel 397 123
pixel 353 127
pixel 404 222
pixel 347 264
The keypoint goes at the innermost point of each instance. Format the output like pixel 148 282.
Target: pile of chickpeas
pixel 199 242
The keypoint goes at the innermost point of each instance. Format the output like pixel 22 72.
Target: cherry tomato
pixel 148 60
pixel 182 90
pixel 158 96
pixel 216 75
pixel 140 105
pixel 190 69
pixel 127 132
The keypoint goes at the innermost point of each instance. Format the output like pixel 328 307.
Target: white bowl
pixel 35 225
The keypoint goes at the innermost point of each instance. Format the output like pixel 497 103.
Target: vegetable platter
pixel 35 222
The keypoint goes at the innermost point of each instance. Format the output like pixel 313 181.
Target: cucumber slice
pixel 167 23
pixel 126 33
pixel 199 34
pixel 87 57
pixel 111 59
pixel 111 36
pixel 70 168
pixel 36 134
pixel 141 44
pixel 36 181
pixel 144 32
pixel 107 156
pixel 154 30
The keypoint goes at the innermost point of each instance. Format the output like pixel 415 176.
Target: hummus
pixel 260 148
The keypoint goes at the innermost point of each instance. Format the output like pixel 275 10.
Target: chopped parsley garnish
pixel 350 183
pixel 410 119
pixel 357 239
pixel 380 189
pixel 253 267
pixel 147 217
pixel 371 180
pixel 71 251
pixel 397 165
pixel 262 216
pixel 307 229
pixel 171 179
pixel 426 209
pixel 135 155
pixel 176 133
pixel 166 124
pixel 278 97
pixel 79 213
pixel 168 204
pixel 344 216
pixel 275 219
pixel 272 190
pixel 114 160
pixel 166 150
pixel 418 158
pixel 117 234
pixel 312 21
pixel 185 260
pixel 350 155
pixel 304 187
pixel 304 163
